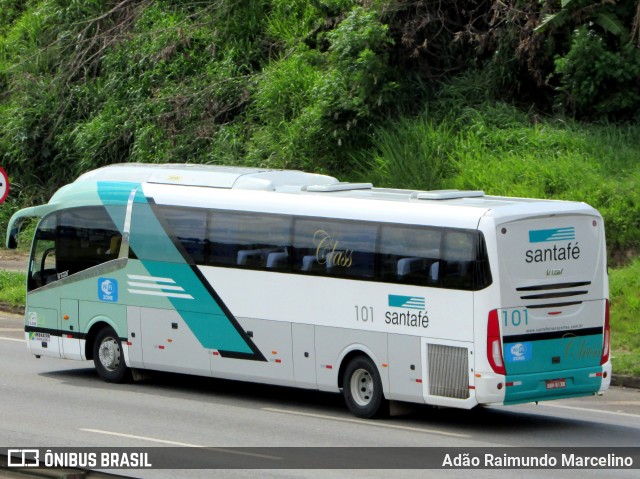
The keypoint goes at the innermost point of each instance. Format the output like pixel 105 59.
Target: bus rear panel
pixel 547 322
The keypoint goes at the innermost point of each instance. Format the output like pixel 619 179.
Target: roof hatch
pixel 337 187
pixel 447 194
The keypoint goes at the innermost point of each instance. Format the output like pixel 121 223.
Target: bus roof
pixel 298 182
pixel 248 183
pixel 212 176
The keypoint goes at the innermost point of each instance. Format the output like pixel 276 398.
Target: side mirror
pixel 12 239
pixel 18 219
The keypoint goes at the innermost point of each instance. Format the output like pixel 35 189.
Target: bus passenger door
pixel 70 329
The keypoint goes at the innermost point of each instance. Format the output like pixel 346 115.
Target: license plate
pixel 556 383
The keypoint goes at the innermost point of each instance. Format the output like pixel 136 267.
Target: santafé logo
pixel 554 234
pixel 407 311
pixel 570 251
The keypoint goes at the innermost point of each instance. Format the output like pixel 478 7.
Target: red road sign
pixel 4 185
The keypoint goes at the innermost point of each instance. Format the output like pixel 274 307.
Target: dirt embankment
pixel 13 260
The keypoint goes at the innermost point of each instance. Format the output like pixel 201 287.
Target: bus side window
pixel 410 255
pixel 411 266
pixel 459 254
pixel 335 248
pixel 248 240
pixel 187 226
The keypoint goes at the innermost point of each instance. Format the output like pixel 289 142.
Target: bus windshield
pixel 71 241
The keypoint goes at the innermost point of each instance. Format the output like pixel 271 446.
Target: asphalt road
pixel 56 403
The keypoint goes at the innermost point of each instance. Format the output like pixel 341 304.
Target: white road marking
pixel 180 444
pixel 584 409
pixel 368 423
pixel 142 438
pixel 11 339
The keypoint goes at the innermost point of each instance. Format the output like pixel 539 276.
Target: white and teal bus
pixel 449 298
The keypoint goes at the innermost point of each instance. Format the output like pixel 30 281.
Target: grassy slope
pixel 12 289
pixel 625 307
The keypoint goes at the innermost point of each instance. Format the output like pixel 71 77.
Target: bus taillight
pixel 606 340
pixel 494 344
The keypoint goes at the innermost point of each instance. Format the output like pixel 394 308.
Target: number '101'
pixel 515 317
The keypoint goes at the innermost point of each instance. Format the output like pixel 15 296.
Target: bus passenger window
pixel 248 240
pixel 188 227
pixel 336 248
pixel 410 254
pixel 459 254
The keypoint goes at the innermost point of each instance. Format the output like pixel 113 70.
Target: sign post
pixel 4 185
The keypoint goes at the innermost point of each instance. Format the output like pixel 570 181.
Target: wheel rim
pixel 362 387
pixel 109 354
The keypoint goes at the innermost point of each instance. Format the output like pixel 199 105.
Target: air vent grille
pixel 448 371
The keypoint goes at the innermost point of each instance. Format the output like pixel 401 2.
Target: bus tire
pixel 108 356
pixel 362 389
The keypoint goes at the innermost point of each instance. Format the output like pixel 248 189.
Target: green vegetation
pixel 12 290
pixel 625 309
pixel 513 97
pixel 295 83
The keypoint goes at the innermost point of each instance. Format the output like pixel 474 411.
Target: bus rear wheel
pixel 362 389
pixel 108 356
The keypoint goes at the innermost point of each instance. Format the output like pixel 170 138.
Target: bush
pixel 313 106
pixel 625 307
pixel 12 289
pixel 597 80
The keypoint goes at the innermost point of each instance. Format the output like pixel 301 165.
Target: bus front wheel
pixel 108 356
pixel 362 389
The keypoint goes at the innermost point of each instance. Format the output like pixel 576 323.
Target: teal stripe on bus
pixel 161 258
